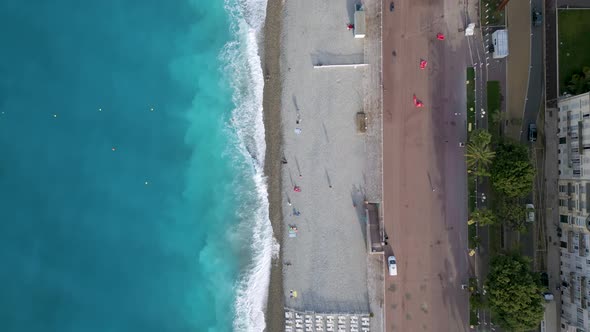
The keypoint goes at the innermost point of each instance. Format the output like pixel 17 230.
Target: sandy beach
pixel 321 170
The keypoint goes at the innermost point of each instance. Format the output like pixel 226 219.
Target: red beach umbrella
pixel 417 102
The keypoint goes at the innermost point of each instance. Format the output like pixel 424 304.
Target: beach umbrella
pixel 417 102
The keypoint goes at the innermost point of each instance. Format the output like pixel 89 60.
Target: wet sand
pixel 272 168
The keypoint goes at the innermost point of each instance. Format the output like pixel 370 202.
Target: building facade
pixel 574 205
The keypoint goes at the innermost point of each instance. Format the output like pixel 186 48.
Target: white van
pixel 530 213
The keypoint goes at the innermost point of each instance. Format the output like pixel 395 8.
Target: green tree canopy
pixel 479 154
pixel 514 294
pixel 483 216
pixel 511 212
pixel 580 82
pixel 512 173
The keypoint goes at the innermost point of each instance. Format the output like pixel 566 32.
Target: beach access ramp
pixel 375 235
pixel 360 26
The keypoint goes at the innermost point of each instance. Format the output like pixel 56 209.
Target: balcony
pixel 583 292
pixel 582 245
pixel 572 287
pixel 581 137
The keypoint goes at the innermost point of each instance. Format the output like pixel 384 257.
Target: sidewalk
pixel 551 217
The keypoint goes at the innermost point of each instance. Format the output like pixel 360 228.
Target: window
pixel 562 218
pixel 562 140
pixel 562 188
pixel 563 202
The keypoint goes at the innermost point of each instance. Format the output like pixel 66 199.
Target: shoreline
pixel 272 167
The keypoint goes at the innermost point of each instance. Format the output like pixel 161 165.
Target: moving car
pixel 530 213
pixel 392 264
pixel 537 18
pixel 532 132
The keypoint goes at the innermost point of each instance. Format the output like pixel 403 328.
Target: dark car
pixel 537 18
pixel 532 132
pixel 391 6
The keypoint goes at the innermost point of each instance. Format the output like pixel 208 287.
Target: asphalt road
pixel 424 205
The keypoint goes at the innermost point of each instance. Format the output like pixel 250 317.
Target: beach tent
pixel 500 41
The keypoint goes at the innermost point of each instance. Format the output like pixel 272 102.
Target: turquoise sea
pixel 131 150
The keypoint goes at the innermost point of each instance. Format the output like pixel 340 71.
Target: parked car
pixel 530 213
pixel 532 132
pixel 391 6
pixel 392 264
pixel 537 18
pixel 548 296
pixel 544 279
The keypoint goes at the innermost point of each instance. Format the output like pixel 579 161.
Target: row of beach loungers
pixel 312 322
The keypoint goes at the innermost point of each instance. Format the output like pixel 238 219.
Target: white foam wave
pixel 245 73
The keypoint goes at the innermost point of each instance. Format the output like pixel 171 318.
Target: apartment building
pixel 574 204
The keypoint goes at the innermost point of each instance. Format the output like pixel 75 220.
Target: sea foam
pixel 243 66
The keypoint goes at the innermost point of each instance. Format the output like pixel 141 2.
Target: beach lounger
pixel 298 315
pixel 288 314
pixel 365 329
pixel 354 329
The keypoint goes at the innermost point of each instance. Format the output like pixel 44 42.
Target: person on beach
pixel 296 189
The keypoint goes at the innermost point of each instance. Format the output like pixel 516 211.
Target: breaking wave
pixel 243 67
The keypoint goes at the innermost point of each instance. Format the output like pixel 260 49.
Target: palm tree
pixel 479 154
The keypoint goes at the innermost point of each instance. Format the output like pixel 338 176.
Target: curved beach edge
pixel 272 167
